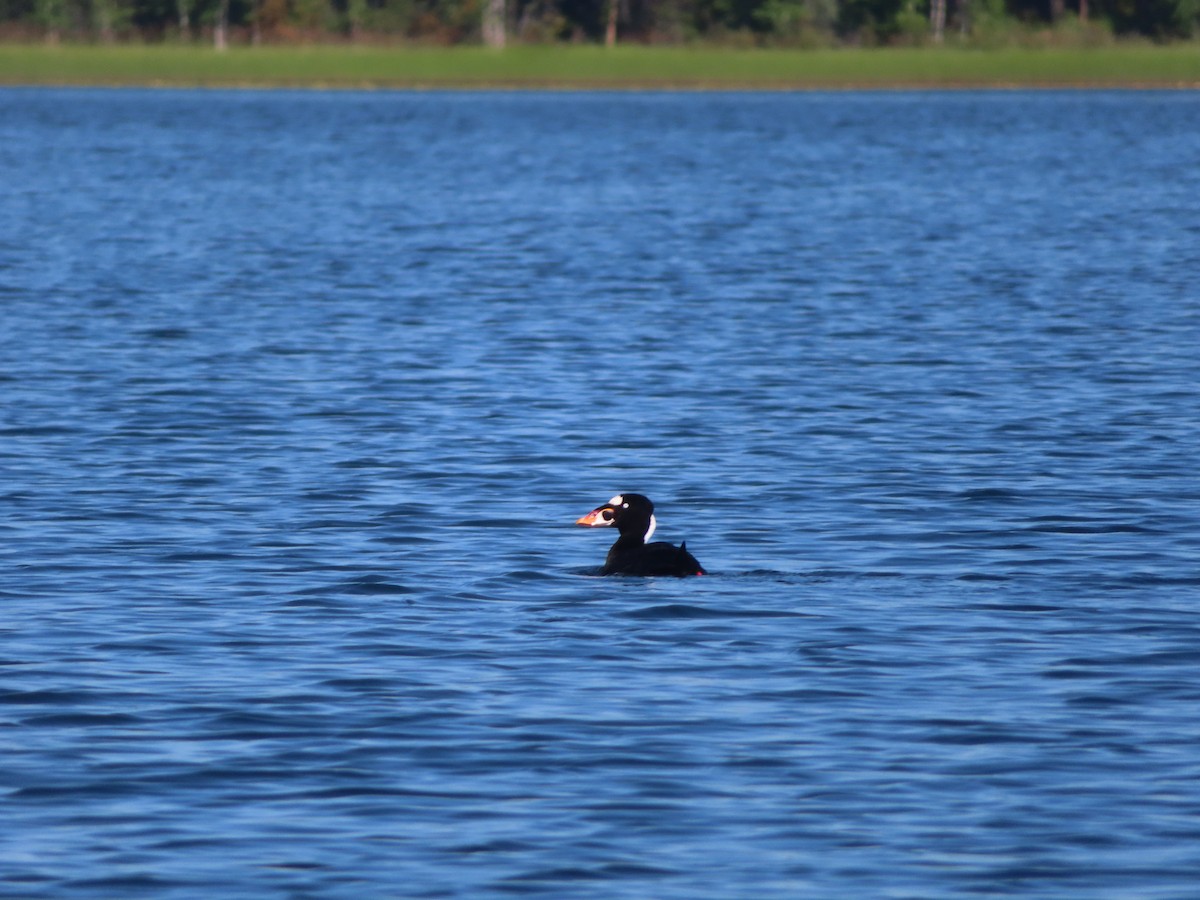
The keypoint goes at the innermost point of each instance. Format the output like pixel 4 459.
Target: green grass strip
pixel 574 67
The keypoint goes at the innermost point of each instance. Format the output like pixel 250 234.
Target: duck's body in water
pixel 633 517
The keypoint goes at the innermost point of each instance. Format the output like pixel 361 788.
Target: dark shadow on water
pixel 370 584
pixel 777 576
pixel 690 611
pixel 594 572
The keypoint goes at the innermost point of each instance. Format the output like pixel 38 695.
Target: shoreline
pixel 587 68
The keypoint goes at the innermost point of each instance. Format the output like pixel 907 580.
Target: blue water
pixel 302 393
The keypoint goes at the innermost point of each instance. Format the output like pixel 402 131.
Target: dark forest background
pixel 739 23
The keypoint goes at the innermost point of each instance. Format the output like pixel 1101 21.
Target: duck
pixel 633 516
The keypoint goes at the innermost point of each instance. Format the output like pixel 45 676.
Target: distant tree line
pixel 802 23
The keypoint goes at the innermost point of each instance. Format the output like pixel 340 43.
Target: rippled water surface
pixel 302 393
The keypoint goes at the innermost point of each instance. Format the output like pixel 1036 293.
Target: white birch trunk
pixel 104 21
pixel 185 19
pixel 493 23
pixel 937 19
pixel 221 29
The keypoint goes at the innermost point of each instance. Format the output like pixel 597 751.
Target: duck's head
pixel 630 513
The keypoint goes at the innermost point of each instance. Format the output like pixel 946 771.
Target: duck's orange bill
pixel 596 517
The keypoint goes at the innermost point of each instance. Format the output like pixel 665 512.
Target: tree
pixel 221 28
pixel 356 14
pixel 493 23
pixel 869 21
pixel 52 15
pixel 104 15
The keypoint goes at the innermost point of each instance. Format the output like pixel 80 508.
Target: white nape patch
pixel 650 530
pixel 617 500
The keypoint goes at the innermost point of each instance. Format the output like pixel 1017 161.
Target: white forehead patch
pixel 617 500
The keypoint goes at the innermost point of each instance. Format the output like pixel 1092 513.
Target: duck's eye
pixel 607 515
pixel 624 506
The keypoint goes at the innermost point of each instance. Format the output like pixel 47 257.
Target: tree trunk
pixel 1056 10
pixel 493 23
pixel 610 32
pixel 256 24
pixel 356 13
pixel 104 21
pixel 221 29
pixel 1083 10
pixel 51 15
pixel 937 19
pixel 185 19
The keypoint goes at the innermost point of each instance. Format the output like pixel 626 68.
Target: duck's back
pixel 659 558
